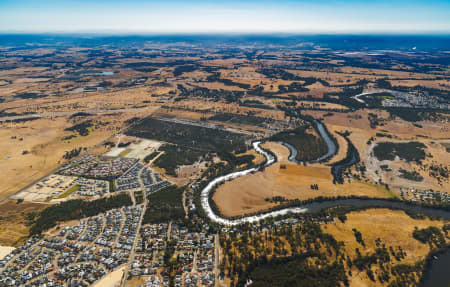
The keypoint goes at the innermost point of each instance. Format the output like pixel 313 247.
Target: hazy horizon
pixel 232 17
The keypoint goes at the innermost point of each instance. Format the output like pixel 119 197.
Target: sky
pixel 226 16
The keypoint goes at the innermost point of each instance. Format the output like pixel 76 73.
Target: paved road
pixel 133 249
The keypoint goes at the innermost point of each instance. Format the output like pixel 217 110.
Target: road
pixel 62 114
pixel 133 249
pixel 207 125
pixel 218 282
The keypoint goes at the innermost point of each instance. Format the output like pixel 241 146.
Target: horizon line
pixel 225 33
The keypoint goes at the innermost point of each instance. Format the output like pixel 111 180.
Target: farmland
pixel 108 144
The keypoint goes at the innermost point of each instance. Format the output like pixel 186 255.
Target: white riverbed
pixel 249 219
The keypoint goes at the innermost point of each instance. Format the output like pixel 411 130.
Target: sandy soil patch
pixel 186 173
pixel 392 176
pixel 143 148
pixel 5 250
pixel 112 279
pixel 115 151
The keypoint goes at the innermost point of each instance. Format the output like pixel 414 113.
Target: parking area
pixel 46 189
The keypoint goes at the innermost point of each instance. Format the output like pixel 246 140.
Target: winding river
pixel 331 146
pixel 310 207
pixel 435 275
pixel 351 158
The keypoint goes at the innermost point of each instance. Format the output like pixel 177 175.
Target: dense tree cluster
pixel 151 156
pixel 282 256
pixel 76 209
pixel 165 205
pixel 309 147
pixel 410 175
pixel 82 128
pixel 431 235
pixel 409 151
pixel 175 156
pixel 72 153
pixel 186 135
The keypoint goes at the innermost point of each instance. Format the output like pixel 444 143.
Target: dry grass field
pixel 247 194
pixel 394 228
pixel 437 156
pixel 320 105
pixel 13 228
pixel 342 143
pixel 432 134
pixel 33 149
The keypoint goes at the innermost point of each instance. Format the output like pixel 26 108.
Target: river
pixel 437 273
pixel 349 160
pixel 331 146
pixel 310 207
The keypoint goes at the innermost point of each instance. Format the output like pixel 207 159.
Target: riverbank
pixel 254 193
pixel 313 206
pixel 331 143
pixel 436 269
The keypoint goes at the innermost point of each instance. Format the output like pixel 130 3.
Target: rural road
pixel 63 114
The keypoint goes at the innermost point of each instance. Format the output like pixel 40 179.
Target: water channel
pixel 436 275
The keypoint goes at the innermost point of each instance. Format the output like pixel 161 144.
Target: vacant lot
pixel 13 221
pixel 431 172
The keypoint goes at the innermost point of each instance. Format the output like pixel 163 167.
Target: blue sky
pixel 246 16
